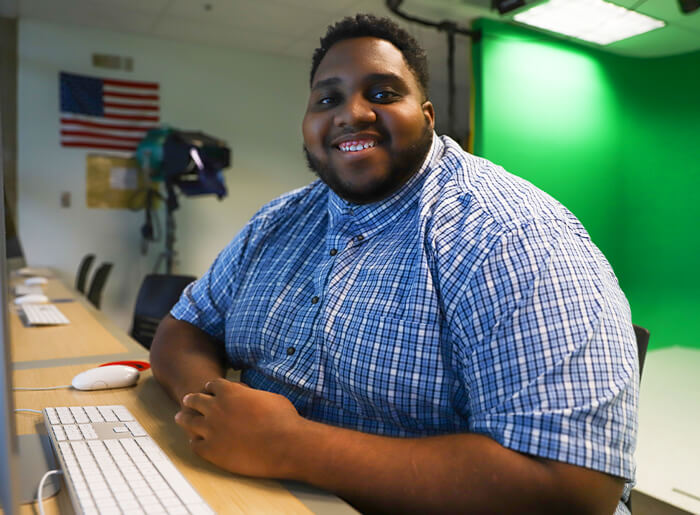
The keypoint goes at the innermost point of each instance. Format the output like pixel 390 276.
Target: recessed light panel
pixel 591 20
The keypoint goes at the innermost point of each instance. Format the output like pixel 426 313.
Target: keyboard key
pixel 65 416
pixel 136 429
pixel 107 414
pixel 122 413
pixel 79 415
pixel 72 432
pixel 94 414
pixel 52 416
pixel 59 433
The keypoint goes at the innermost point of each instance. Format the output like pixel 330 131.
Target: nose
pixel 357 110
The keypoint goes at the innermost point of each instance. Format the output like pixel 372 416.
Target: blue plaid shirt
pixel 468 301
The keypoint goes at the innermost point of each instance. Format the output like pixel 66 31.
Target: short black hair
pixel 367 25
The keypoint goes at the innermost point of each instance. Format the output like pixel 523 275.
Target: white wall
pixel 255 102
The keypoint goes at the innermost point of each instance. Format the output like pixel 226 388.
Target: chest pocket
pixel 389 369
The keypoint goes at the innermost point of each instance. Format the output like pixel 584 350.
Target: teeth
pixel 354 147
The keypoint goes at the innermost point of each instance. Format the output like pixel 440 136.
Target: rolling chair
pixel 97 284
pixel 642 336
pixel 83 269
pixel 157 295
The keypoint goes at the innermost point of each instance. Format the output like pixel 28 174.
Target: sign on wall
pixel 115 183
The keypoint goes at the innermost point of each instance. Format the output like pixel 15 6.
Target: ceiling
pixel 292 27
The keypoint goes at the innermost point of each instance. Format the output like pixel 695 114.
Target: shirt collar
pixel 371 218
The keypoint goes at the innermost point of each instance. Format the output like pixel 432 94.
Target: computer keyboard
pixel 44 314
pixel 27 289
pixel 111 465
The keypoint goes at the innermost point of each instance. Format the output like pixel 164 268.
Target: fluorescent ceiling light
pixel 591 20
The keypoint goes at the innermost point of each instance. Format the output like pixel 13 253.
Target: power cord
pixel 42 483
pixel 28 410
pixel 39 498
pixel 42 387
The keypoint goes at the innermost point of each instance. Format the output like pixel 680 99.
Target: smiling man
pixel 418 330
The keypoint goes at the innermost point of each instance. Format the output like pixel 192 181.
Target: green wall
pixel 616 140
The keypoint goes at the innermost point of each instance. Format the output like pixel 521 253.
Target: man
pixel 418 331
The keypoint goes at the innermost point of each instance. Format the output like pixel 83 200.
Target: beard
pixel 404 166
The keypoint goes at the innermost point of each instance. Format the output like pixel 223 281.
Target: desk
pixel 48 356
pixel 668 446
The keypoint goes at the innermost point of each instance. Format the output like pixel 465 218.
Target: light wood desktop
pixel 668 445
pixel 49 356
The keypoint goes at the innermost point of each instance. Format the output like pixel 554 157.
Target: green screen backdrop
pixel 617 141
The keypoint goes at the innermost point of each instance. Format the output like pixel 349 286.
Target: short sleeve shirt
pixel 467 301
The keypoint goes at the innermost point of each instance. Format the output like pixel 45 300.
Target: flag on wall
pixel 106 114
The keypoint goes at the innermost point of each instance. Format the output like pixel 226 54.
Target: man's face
pixel 367 127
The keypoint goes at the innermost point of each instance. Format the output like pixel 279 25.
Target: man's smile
pixel 356 145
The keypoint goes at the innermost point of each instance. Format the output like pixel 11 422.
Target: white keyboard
pixel 111 465
pixel 44 314
pixel 27 289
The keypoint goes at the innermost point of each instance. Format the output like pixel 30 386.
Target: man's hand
pixel 241 429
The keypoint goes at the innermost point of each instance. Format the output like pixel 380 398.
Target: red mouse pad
pixel 139 365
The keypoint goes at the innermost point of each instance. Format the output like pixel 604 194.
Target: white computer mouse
pixel 32 298
pixel 30 281
pixel 109 376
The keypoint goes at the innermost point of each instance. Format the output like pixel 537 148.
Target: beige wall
pixel 253 101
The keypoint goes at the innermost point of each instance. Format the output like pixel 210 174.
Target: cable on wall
pixel 451 29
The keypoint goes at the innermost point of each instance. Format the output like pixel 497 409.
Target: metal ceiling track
pixel 451 29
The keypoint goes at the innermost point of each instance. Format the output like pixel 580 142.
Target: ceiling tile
pixel 658 43
pixel 268 16
pixel 183 29
pixel 323 6
pixel 97 14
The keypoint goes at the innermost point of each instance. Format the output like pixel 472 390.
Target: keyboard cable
pixel 17 410
pixel 40 489
pixel 42 387
pixel 39 499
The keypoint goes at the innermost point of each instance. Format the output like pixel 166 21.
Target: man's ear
pixel 429 113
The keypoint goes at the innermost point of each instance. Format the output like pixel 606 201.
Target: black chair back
pixel 83 269
pixel 157 295
pixel 97 285
pixel 642 336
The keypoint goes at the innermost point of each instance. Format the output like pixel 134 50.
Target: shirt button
pixel 290 351
pixel 333 252
pixel 360 237
pixel 314 300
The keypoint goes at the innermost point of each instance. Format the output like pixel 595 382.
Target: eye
pixel 384 95
pixel 327 100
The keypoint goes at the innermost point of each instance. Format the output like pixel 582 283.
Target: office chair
pixel 83 269
pixel 642 336
pixel 157 295
pixel 97 284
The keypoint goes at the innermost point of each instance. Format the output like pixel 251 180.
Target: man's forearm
pixel 446 474
pixel 184 358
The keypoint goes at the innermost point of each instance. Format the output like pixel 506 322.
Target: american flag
pixel 107 114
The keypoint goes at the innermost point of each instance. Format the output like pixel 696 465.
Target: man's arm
pixel 184 358
pixel 260 434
